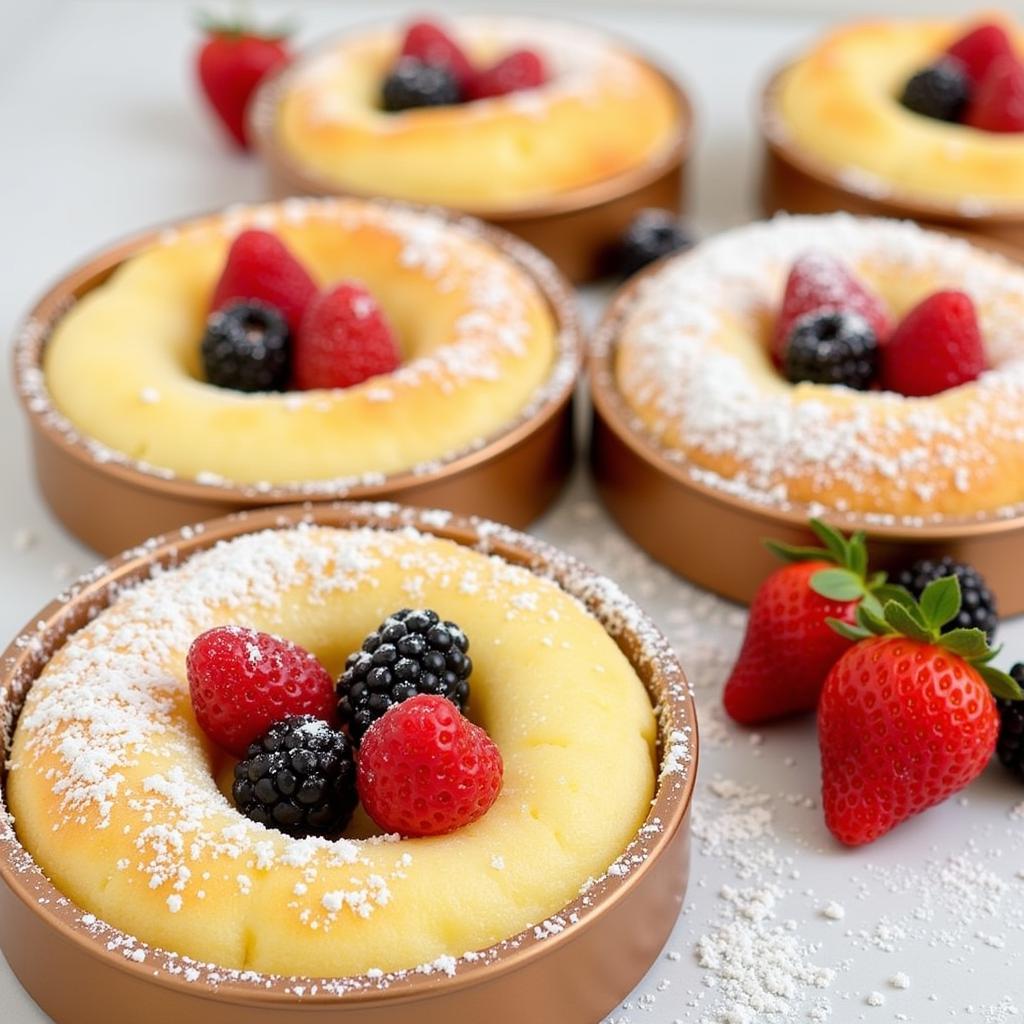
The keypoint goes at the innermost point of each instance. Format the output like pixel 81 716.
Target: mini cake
pixel 931 421
pixel 914 112
pixel 590 111
pixel 120 798
pixel 475 337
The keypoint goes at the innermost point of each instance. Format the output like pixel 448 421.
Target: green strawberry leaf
pixel 871 621
pixel 834 542
pixel 854 633
pixel 837 584
pixel 908 622
pixel 795 553
pixel 873 605
pixel 887 592
pixel 940 601
pixel 857 554
pixel 1000 683
pixel 968 643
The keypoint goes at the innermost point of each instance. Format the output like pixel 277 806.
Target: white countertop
pixel 102 135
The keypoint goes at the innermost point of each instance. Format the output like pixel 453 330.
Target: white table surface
pixel 102 134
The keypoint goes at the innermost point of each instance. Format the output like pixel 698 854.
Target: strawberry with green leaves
pixel 907 715
pixel 789 647
pixel 230 64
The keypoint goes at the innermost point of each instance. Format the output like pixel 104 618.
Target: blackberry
pixel 1010 746
pixel 651 234
pixel 247 347
pixel 298 777
pixel 412 651
pixel 832 347
pixel 412 84
pixel 941 91
pixel 977 605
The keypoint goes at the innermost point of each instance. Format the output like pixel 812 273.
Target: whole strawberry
pixel 261 267
pixel 789 647
pixel 242 681
pixel 906 717
pixel 936 346
pixel 344 339
pixel 231 62
pixel 424 769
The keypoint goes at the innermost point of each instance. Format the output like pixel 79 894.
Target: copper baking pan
pixel 112 504
pixel 716 539
pixel 796 181
pixel 574 976
pixel 575 230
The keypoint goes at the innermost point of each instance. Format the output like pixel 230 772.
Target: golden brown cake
pixel 604 111
pixel 693 365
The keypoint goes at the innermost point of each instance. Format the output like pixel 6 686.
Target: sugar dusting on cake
pixel 433 242
pixel 120 695
pixel 707 407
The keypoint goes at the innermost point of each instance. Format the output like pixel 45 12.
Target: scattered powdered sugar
pixel 712 403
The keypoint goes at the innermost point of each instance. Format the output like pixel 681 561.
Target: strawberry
pixel 242 681
pixel 980 48
pixel 232 61
pixel 818 282
pixel 344 339
pixel 425 770
pixel 789 647
pixel 429 43
pixel 521 69
pixel 261 267
pixel 906 716
pixel 936 346
pixel 998 103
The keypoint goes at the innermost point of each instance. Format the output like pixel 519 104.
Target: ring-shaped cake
pixel 478 340
pixel 692 364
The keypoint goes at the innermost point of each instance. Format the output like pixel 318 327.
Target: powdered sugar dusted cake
pixel 692 363
pixel 120 799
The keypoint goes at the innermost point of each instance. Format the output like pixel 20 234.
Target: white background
pixel 102 134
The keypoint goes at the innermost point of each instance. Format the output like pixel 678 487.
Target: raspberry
pixel 413 84
pixel 941 91
pixel 817 283
pixel 651 234
pixel 978 605
pixel 425 770
pixel 247 347
pixel 936 346
pixel 832 348
pixel 242 681
pixel 259 266
pixel 977 50
pixel 298 777
pixel 431 45
pixel 410 652
pixel 344 340
pixel 521 69
pixel 998 104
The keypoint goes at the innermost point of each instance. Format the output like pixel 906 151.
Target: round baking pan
pixel 716 539
pixel 574 973
pixel 575 229
pixel 798 182
pixel 112 503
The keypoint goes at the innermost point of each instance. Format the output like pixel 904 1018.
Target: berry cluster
pixel 432 70
pixel 421 768
pixel 978 81
pixel 650 236
pixel 269 329
pixel 909 705
pixel 832 329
